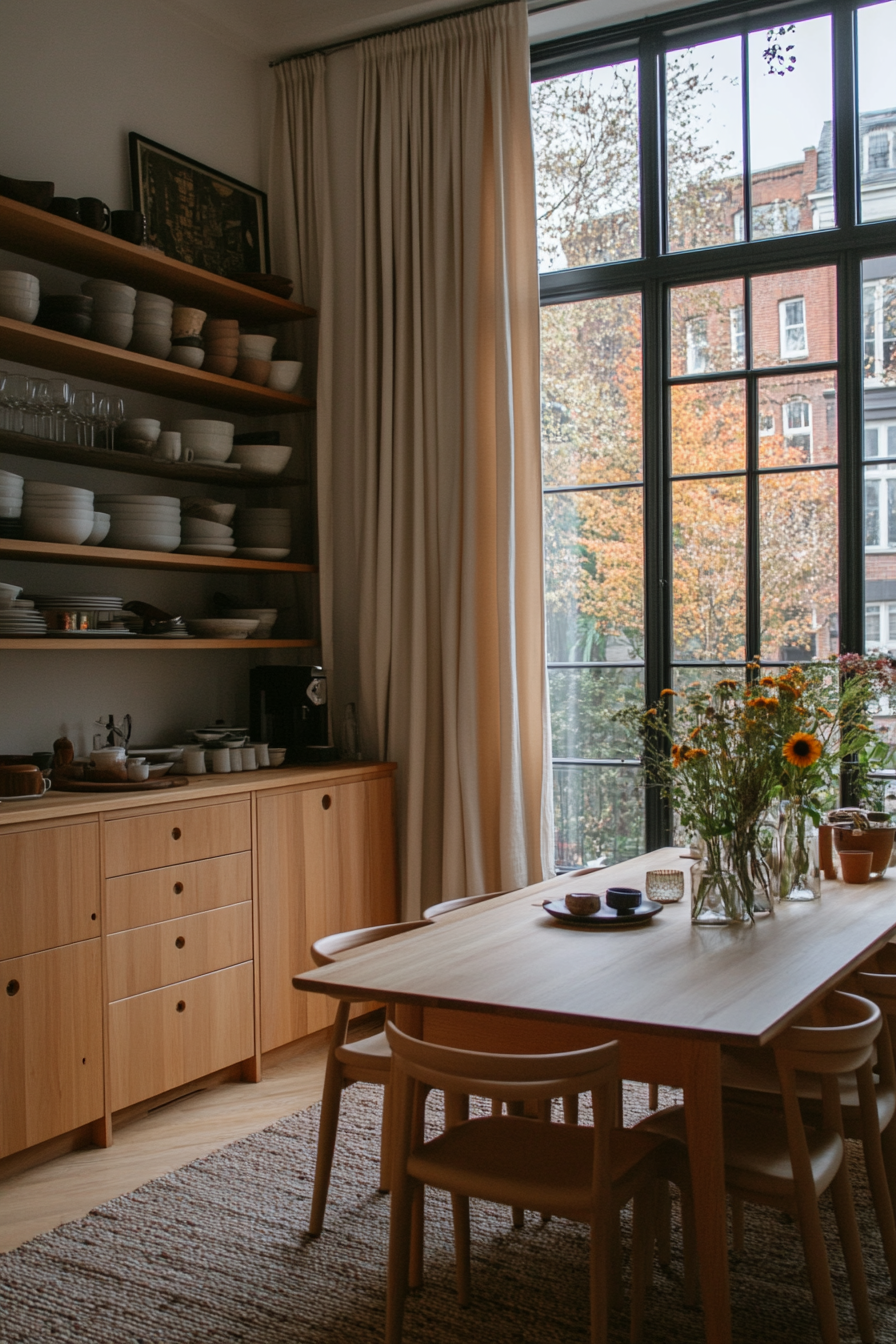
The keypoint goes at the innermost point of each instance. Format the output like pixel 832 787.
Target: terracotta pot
pixel 878 841
pixel 855 865
pixel 225 365
pixel 253 370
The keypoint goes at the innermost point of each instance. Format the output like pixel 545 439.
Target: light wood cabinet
pixel 157 840
pixel 51 1044
pixel 179 949
pixel 169 1036
pixel 49 888
pixel 326 863
pixel 183 889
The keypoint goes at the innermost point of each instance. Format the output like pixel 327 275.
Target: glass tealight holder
pixel 665 885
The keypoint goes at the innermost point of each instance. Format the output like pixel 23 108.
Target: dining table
pixel 504 975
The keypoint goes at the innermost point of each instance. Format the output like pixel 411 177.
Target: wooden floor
pixel 68 1187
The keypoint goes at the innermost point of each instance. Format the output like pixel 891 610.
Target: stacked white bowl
pixel 257 347
pixel 263 534
pixel 11 491
pixel 267 617
pixel 142 522
pixel 210 440
pixel 152 325
pixel 19 295
pixel 113 311
pixel 57 513
pixel 202 537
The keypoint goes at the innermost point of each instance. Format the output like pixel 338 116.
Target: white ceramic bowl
pixel 276 756
pixel 47 488
pixel 101 525
pixel 19 280
pixel 263 552
pixel 207 447
pixel 262 515
pixel 20 307
pixel 11 496
pixel 284 374
pixel 143 427
pixel 152 541
pixel 268 458
pixel 187 355
pixel 72 531
pixel 257 347
pixel 198 529
pixel 110 291
pixel 222 628
pixel 263 538
pixel 9 478
pixel 198 507
pixel 146 300
pixel 118 337
pixel 10 511
pixel 46 511
pixel 205 427
pixel 171 500
pixel 157 347
pixel 265 616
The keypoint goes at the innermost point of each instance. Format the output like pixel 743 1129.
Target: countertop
pixel 55 806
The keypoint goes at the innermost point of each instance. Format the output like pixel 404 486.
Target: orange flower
pixel 764 702
pixel 767 681
pixel 677 755
pixel 696 731
pixel 864 727
pixel 729 685
pixel 668 692
pixel 802 749
pixel 694 752
pixel 822 710
pixel 651 711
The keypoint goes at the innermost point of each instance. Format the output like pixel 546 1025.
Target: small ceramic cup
pixel 138 770
pixel 107 757
pixel 187 321
pixel 221 761
pixel 250 760
pixel 194 760
pixel 261 754
pixel 168 447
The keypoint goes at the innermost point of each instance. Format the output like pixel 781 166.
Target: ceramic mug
pixel 129 225
pixel 250 760
pixel 168 447
pixel 194 760
pixel 94 213
pixel 236 759
pixel 261 754
pixel 221 761
pixel 22 781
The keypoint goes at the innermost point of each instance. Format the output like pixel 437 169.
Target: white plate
pixel 207 550
pixel 263 552
pixel 171 500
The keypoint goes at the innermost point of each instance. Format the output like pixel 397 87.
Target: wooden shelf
pixel 46 642
pixel 55 350
pixel 27 445
pixel 110 556
pixel 46 237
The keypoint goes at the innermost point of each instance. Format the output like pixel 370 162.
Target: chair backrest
pixel 840 1043
pixel 445 907
pixel 325 950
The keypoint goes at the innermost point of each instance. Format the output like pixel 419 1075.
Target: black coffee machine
pixel 288 708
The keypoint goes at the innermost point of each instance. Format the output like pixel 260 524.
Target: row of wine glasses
pixel 46 407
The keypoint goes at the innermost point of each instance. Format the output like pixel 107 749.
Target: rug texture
pixel 217 1253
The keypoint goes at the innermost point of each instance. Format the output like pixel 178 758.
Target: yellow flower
pixel 668 692
pixel 802 749
pixel 767 681
pixel 764 701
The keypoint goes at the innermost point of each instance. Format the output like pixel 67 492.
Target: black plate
pixel 604 918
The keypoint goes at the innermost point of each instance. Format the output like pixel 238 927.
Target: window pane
pixel 587 158
pixel 879 414
pixel 797 420
pixel 583 702
pixel 598 814
pixel 791 108
pixel 872 626
pixel 798 565
pixel 591 391
pixel 707 328
pixel 704 144
pixel 708 427
pixel 708 613
pixel 794 316
pixel 877 111
pixel 872 511
pixel 879 321
pixel 686 679
pixel 594 574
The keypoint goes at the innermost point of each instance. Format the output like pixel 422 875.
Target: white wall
pixel 74 79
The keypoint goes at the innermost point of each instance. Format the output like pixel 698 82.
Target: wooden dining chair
pixel 586 1174
pixel 775 1159
pixel 367 1060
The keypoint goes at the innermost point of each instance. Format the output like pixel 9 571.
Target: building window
pixel 880 513
pixel 877 151
pixel 697 339
pixel 879 327
pixel 880 440
pixel 798 425
pixel 738 335
pixel 880 626
pixel 766 425
pixel 792 326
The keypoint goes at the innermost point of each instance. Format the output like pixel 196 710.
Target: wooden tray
pixel 130 786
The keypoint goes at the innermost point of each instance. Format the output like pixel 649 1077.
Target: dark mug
pixel 94 213
pixel 21 781
pixel 67 207
pixel 129 225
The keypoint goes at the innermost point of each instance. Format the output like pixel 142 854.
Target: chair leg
pixel 386 1142
pixel 616 1300
pixel 888 1146
pixel 518 1216
pixel 653 1096
pixel 642 1257
pixel 844 1208
pixel 880 1194
pixel 326 1143
pixel 399 1255
pixel 415 1271
pixel 571 1110
pixel 817 1266
pixel 690 1293
pixel 620 1106
pixel 737 1223
pixel 601 1240
pixel 460 1211
pixel 663 1221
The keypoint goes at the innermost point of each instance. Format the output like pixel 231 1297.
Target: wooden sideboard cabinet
pixel 145 945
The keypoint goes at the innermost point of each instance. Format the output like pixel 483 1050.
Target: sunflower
pixel 677 755
pixel 764 702
pixel 767 681
pixel 802 749
pixel 694 752
pixel 728 685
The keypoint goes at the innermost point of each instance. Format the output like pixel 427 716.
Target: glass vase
pixel 798 866
pixel 718 896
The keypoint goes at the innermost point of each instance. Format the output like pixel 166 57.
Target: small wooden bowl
pixel 582 903
pixel 253 371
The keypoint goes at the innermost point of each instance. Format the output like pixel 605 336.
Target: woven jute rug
pixel 217 1252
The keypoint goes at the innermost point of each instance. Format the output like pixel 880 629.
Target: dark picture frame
pixel 196 214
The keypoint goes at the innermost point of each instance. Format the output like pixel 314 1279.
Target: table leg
pixel 703 1113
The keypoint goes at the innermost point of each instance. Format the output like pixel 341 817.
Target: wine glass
pixel 83 412
pixel 36 407
pixel 114 417
pixel 16 392
pixel 59 399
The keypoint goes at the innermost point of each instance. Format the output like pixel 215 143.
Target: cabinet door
pixel 51 1044
pixel 49 888
pixel 326 863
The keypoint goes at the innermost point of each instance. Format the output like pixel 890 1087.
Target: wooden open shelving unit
pixel 45 642
pixel 111 556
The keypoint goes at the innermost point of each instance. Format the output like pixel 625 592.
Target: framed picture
pixel 196 214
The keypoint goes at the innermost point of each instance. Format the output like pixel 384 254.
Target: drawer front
pixel 51 1044
pixel 170 1036
pixel 157 840
pixel 49 888
pixel 179 949
pixel 170 893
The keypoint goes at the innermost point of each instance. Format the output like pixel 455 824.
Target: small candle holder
pixel 665 885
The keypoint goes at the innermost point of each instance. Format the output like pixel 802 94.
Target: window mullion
pixel 845 115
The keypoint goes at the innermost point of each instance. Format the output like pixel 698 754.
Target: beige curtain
pixel 447 454
pixel 301 244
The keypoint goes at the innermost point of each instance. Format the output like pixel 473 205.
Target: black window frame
pixel 657 271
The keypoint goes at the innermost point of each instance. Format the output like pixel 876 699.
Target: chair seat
pixel 511 1160
pixel 746 1070
pixel 370 1055
pixel 757 1154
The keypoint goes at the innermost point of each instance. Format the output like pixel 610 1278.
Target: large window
pixel 719 370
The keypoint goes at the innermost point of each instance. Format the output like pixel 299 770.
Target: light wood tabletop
pixel 671 993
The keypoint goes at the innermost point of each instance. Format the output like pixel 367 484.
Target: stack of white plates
pixel 142 522
pixel 20 621
pixel 61 513
pixel 11 491
pixel 263 534
pixel 81 613
pixel 202 537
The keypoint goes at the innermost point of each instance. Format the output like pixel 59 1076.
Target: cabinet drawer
pixel 160 839
pixel 51 1044
pixel 49 888
pixel 170 893
pixel 179 949
pixel 170 1036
